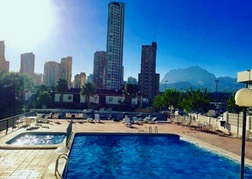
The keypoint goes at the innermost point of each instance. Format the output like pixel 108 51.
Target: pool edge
pixel 6 146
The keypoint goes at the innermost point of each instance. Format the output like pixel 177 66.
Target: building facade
pixel 90 78
pixel 27 63
pixel 66 69
pixel 148 80
pixel 38 78
pixel 80 80
pixel 132 80
pixel 100 59
pixel 115 36
pixel 4 65
pixel 51 73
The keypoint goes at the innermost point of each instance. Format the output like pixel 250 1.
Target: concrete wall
pixel 233 123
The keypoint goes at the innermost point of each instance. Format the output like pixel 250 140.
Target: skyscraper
pixel 115 35
pixel 38 78
pixel 66 69
pixel 27 63
pixel 51 73
pixel 4 65
pixel 80 80
pixel 100 59
pixel 132 80
pixel 148 80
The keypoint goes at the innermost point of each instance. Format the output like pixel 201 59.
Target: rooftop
pixel 40 163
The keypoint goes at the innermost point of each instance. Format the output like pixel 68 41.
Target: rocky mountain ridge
pixel 197 77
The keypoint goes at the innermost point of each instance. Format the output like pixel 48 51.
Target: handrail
pixel 57 164
pixel 69 132
pixel 150 129
pixel 155 129
pixel 10 122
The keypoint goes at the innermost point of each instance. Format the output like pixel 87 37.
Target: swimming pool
pixel 37 138
pixel 145 156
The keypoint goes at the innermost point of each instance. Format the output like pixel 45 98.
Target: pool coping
pixel 192 140
pixel 4 141
pixel 215 149
pixel 50 170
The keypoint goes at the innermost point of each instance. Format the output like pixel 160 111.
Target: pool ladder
pixel 155 129
pixel 61 156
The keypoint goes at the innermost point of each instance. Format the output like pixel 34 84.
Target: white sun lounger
pixel 97 118
pixel 127 122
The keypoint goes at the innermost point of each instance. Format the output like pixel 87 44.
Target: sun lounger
pixel 90 119
pixel 250 135
pixel 152 120
pixel 43 122
pixel 197 125
pixel 207 127
pixel 28 121
pixel 68 115
pixel 146 119
pixel 126 121
pixel 97 118
pixel 55 116
pixel 186 123
pixel 136 120
pixel 78 116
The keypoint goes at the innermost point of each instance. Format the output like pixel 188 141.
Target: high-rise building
pixel 51 73
pixel 27 63
pixel 100 59
pixel 115 35
pixel 66 69
pixel 38 78
pixel 4 65
pixel 90 78
pixel 132 80
pixel 80 80
pixel 148 80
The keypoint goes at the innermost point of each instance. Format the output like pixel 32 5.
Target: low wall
pixel 233 123
pixel 104 115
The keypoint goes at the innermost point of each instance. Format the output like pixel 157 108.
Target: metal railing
pixel 64 156
pixel 69 132
pixel 10 124
pixel 155 129
pixel 150 129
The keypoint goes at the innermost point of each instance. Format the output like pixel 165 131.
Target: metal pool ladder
pixel 64 156
pixel 155 129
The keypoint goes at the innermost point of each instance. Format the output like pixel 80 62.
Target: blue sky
pixel 215 35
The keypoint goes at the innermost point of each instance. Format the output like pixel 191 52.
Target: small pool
pixel 145 156
pixel 37 138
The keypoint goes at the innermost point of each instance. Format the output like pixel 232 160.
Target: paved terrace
pixel 37 163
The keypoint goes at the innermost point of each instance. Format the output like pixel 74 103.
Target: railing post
pixel 150 129
pixel 7 124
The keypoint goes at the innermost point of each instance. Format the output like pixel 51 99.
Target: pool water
pixel 37 139
pixel 139 156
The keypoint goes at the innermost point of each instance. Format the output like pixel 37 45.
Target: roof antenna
pixel 154 34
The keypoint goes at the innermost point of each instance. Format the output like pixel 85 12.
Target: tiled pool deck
pixel 40 163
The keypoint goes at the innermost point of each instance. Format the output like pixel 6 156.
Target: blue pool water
pixel 37 138
pixel 141 156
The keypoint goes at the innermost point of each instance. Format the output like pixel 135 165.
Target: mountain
pixel 197 77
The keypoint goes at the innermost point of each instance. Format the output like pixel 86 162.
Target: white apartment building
pixel 115 36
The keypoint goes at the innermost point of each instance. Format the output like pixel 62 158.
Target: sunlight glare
pixel 26 23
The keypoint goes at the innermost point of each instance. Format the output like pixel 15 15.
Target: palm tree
pixel 61 88
pixel 130 91
pixel 87 90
